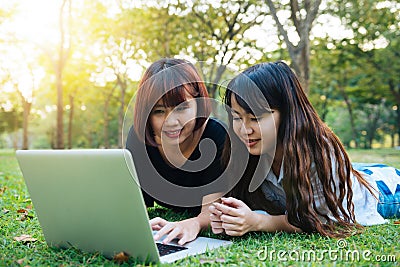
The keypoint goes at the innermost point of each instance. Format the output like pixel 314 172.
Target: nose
pixel 246 129
pixel 171 119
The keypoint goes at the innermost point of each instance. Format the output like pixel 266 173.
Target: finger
pixel 156 227
pixel 158 221
pixel 216 225
pixel 232 202
pixel 214 210
pixel 165 230
pixel 214 218
pixel 183 240
pixel 186 238
pixel 226 209
pixel 233 233
pixel 225 218
pixel 217 230
pixel 230 227
pixel 173 234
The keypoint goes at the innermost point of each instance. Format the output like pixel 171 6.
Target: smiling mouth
pixel 251 142
pixel 172 134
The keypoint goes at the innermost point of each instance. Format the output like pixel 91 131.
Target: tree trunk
pixel 396 94
pixel 121 113
pixel 60 112
pixel 213 89
pixel 70 119
pixel 398 125
pixel 299 53
pixel 324 112
pixel 26 105
pixel 60 64
pixel 375 119
pixel 106 123
pixel 106 117
pixel 227 33
pixel 14 135
pixel 301 63
pixel 25 123
pixel 350 109
pixel 392 136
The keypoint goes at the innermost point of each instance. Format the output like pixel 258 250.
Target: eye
pixel 158 111
pixel 236 118
pixel 181 108
pixel 256 119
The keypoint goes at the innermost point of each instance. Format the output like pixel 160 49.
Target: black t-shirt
pixel 150 164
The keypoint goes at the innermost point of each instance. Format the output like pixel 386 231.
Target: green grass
pixel 254 249
pixel 387 156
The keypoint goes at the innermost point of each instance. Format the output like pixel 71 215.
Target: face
pixel 174 125
pixel 258 133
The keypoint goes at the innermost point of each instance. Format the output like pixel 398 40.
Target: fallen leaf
pixel 24 215
pixel 396 222
pixel 22 211
pixel 29 207
pixel 20 261
pixel 22 218
pixel 121 257
pixel 2 190
pixel 25 238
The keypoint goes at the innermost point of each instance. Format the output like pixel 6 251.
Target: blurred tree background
pixel 68 68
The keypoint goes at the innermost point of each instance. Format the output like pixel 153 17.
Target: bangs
pixel 248 95
pixel 172 81
pixel 177 95
pixel 172 87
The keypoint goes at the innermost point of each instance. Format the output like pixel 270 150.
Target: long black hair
pixel 315 161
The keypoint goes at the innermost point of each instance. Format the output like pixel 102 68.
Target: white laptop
pixel 91 200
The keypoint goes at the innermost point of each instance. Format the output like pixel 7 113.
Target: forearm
pixel 203 219
pixel 274 223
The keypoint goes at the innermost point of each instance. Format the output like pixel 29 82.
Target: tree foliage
pixel 92 72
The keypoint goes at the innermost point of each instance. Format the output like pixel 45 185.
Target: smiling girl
pixel 176 147
pixel 298 177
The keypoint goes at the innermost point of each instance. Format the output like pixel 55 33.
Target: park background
pixel 68 69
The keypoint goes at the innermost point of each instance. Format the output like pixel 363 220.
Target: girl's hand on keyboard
pixel 186 230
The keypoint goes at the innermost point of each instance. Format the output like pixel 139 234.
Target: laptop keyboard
pixel 165 249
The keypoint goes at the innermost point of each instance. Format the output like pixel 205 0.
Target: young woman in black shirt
pixel 176 147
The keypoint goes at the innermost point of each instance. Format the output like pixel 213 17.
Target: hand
pixel 236 217
pixel 185 231
pixel 215 220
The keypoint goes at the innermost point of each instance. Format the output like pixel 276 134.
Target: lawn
pixel 376 246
